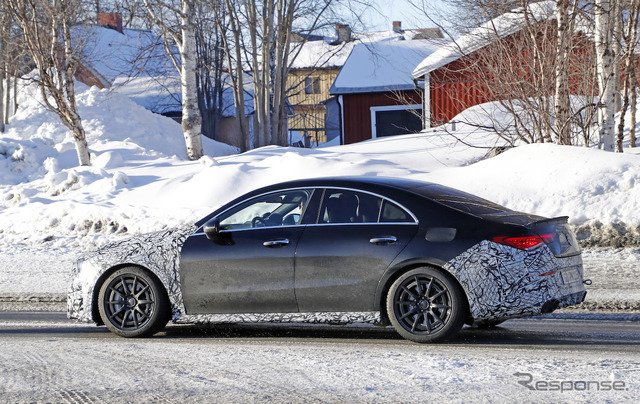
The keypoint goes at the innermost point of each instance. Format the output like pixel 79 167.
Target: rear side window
pixel 392 213
pixel 346 206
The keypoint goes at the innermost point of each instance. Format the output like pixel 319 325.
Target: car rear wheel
pixel 133 303
pixel 426 305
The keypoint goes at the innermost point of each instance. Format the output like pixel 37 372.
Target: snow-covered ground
pixel 57 361
pixel 51 210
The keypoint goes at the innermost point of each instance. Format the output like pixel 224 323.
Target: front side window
pixel 276 209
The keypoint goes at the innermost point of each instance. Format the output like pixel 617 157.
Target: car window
pixel 276 209
pixel 343 206
pixel 392 213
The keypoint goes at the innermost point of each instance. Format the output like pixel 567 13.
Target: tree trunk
pixel 15 95
pixel 605 66
pixel 623 112
pixel 7 98
pixel 82 149
pixel 561 106
pixel 191 118
pixel 231 51
pixel 630 36
pixel 616 44
pixel 2 82
pixel 634 104
pixel 70 107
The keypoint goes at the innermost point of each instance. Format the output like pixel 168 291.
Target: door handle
pixel 385 240
pixel 276 243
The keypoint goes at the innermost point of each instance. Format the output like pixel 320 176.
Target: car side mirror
pixel 212 229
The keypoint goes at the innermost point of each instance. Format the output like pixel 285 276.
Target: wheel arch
pixel 95 312
pixel 398 270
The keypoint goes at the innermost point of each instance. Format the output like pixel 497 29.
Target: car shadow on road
pixel 515 332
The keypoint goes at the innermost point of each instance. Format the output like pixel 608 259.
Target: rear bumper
pixel 503 282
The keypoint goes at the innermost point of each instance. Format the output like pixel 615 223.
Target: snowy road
pixel 45 358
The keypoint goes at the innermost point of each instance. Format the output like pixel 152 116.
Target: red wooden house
pixel 463 74
pixel 375 92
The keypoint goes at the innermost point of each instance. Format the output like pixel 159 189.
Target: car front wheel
pixel 133 303
pixel 426 305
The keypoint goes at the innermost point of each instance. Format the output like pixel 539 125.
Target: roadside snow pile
pixel 45 196
pixel 590 186
pixel 599 191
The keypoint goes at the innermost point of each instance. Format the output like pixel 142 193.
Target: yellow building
pixel 316 64
pixel 308 89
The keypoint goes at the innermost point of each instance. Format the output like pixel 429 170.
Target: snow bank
pixel 46 198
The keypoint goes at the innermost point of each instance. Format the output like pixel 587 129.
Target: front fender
pixel 158 252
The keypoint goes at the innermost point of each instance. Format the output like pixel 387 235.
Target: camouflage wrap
pixel 503 282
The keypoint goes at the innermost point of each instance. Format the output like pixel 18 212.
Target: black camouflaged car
pixel 419 256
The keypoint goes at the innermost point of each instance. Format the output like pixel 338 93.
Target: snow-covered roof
pixel 110 54
pixel 327 52
pixel 163 94
pixel 160 94
pixel 382 66
pixel 489 32
pixel 134 64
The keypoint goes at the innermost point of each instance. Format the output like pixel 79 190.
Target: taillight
pixel 524 242
pixel 548 238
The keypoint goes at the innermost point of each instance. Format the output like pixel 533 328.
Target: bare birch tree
pixel 12 60
pixel 46 27
pixel 629 97
pixel 604 26
pixel 210 56
pixel 2 74
pixel 565 25
pixel 229 22
pixel 633 78
pixel 258 43
pixel 4 34
pixel 175 19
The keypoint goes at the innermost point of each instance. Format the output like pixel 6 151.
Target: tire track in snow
pixel 44 370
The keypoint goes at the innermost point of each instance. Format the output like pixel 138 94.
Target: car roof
pixel 445 196
pixel 451 198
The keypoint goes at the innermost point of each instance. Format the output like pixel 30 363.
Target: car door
pixel 250 267
pixel 341 258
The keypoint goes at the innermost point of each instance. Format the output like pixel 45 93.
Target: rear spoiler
pixel 559 219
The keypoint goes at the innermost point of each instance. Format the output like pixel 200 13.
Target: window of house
pixel 312 85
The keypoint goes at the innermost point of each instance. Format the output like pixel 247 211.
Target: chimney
pixel 397 26
pixel 344 33
pixel 111 20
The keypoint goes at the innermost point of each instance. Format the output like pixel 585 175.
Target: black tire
pixel 426 305
pixel 133 303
